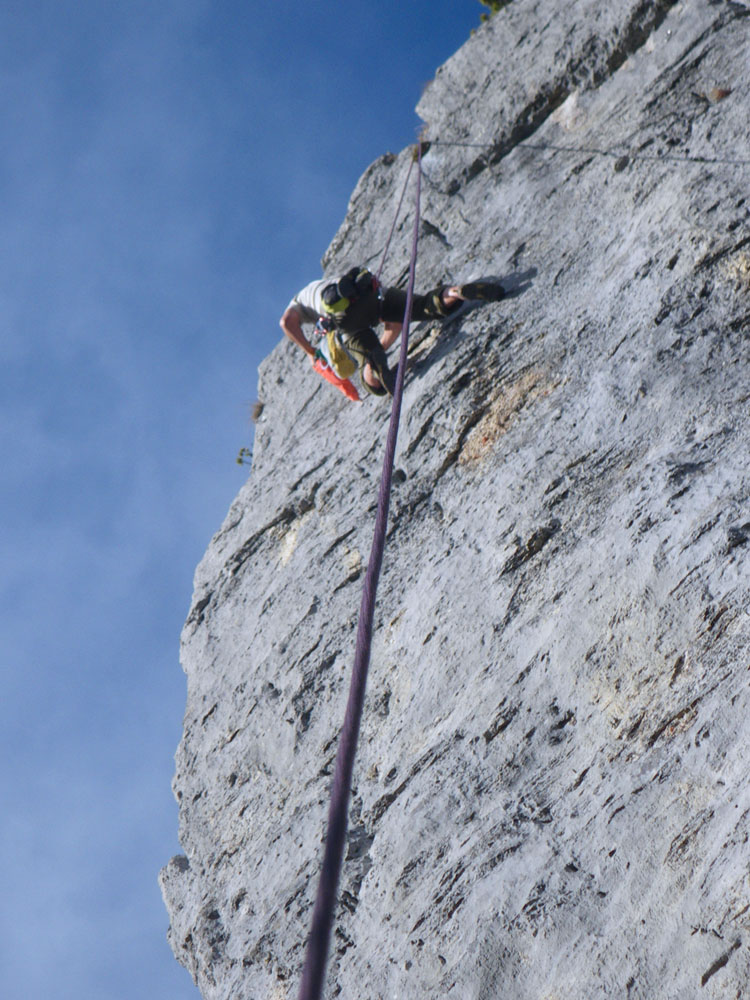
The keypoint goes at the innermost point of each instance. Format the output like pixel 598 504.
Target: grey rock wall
pixel 551 795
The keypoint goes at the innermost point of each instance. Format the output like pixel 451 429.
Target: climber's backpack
pixel 352 302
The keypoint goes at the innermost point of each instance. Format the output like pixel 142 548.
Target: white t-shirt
pixel 309 301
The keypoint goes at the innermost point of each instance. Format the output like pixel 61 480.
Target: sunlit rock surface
pixel 551 794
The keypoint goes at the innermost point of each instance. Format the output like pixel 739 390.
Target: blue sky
pixel 171 173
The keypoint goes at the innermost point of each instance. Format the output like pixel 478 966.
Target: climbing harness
pixel 313 973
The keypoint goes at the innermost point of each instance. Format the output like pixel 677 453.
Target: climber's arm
pixel 291 324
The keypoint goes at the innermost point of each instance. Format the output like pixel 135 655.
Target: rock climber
pixel 344 313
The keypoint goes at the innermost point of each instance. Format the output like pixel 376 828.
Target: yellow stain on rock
pixel 352 560
pixel 738 271
pixel 288 544
pixel 288 538
pixel 503 408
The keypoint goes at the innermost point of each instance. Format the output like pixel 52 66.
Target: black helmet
pixel 338 296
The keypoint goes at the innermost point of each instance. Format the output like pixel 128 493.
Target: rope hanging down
pixel 395 220
pixel 313 974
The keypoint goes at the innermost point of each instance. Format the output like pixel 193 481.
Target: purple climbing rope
pixel 313 974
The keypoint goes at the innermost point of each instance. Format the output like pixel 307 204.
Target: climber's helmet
pixel 338 296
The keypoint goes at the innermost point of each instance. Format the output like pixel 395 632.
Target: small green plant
pixel 494 6
pixel 245 456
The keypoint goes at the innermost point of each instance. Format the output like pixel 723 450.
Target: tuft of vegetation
pixel 494 7
pixel 244 457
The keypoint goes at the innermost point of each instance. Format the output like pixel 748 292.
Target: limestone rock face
pixel 551 794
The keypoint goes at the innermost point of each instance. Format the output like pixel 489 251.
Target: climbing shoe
pixel 482 291
pixel 436 308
